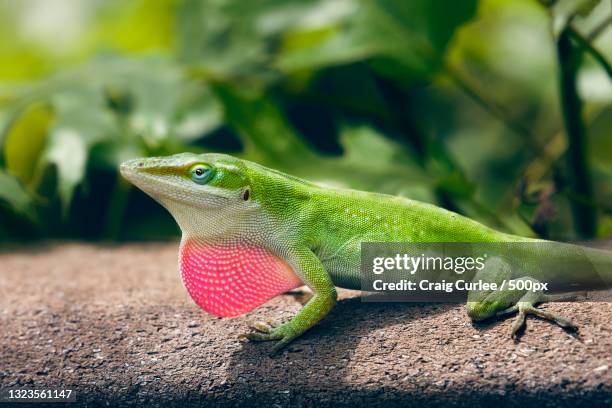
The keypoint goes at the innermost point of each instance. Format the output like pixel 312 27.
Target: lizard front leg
pixel 314 275
pixel 484 304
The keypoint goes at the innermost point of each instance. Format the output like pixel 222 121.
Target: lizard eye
pixel 201 173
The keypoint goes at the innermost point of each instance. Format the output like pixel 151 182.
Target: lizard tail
pixel 601 261
pixel 580 267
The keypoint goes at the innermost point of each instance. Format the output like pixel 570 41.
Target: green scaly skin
pixel 318 231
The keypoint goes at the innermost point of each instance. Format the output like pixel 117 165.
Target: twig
pixel 586 45
pixel 585 219
pixel 600 28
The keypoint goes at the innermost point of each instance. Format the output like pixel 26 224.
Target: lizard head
pixel 205 193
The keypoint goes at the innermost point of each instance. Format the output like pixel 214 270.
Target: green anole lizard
pixel 251 233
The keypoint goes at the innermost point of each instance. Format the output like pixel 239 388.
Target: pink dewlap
pixel 230 279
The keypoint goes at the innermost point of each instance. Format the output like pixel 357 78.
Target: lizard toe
pixel 262 327
pixel 257 336
pixel 528 309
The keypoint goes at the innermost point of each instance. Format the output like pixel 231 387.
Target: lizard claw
pixel 265 332
pixel 262 327
pixel 528 309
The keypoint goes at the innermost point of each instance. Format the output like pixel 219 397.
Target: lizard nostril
pixel 140 164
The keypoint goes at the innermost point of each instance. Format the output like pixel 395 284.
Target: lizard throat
pixel 232 278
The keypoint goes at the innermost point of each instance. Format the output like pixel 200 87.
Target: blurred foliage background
pixel 500 110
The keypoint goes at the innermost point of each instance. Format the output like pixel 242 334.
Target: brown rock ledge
pixel 115 324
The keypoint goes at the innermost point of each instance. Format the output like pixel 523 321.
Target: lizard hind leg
pixel 485 303
pixel 508 299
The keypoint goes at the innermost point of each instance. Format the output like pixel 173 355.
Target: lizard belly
pixel 229 279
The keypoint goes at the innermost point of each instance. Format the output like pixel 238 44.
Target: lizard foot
pixel 527 308
pixel 263 327
pixel 267 332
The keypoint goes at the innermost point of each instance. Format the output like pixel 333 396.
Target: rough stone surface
pixel 115 323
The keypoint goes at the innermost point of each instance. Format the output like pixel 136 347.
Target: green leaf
pixel 564 11
pixel 82 122
pixel 600 140
pixel 259 41
pixel 108 110
pixel 375 163
pixel 261 125
pixel 366 147
pixel 399 38
pixel 25 139
pixel 605 227
pixel 197 113
pixel 15 196
pixel 67 151
pixel 371 162
pixel 458 185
